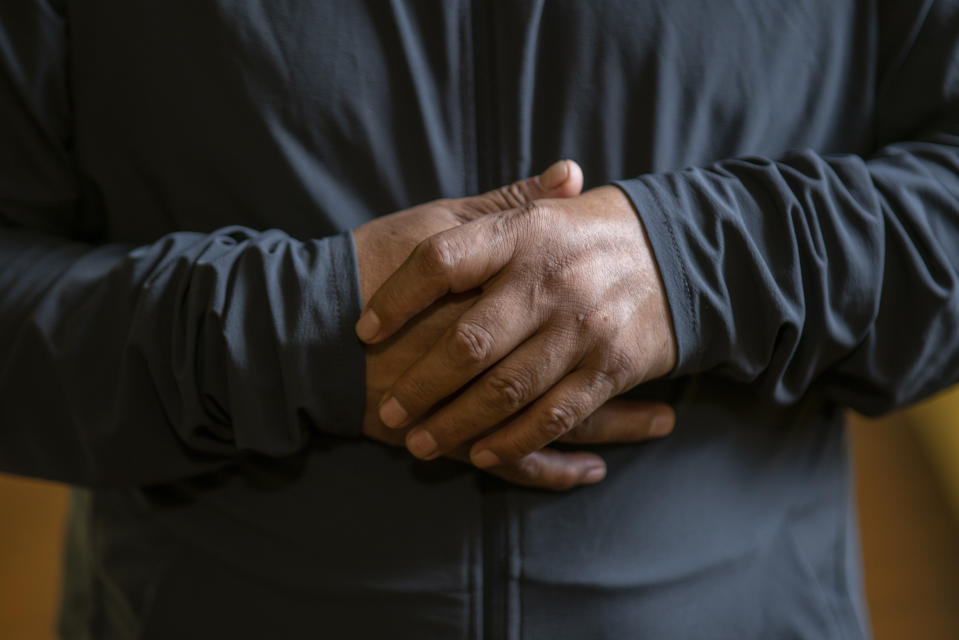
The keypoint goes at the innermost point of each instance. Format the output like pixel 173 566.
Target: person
pixel 191 199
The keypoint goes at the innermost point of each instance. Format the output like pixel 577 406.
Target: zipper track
pixel 495 539
pixel 495 546
pixel 483 93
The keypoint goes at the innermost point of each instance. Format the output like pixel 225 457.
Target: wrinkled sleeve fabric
pixel 831 272
pixel 124 365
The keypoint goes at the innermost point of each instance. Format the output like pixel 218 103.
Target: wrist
pixel 616 205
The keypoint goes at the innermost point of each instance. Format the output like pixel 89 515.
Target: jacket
pixel 178 288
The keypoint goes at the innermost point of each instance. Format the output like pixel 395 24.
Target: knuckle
pixel 594 323
pixel 530 468
pixel 610 376
pixel 557 421
pixel 555 271
pixel 497 200
pixel 603 323
pixel 600 380
pixel 510 391
pixel 463 210
pixel 617 369
pixel 437 255
pixel 410 391
pixel 470 344
pixel 511 196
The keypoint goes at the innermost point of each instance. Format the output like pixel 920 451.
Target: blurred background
pixel 907 472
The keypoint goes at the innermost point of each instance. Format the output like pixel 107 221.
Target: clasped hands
pixel 501 323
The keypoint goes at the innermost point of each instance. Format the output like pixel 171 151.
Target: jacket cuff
pixel 658 211
pixel 342 393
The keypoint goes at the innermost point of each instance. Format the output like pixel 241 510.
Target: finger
pixel 549 469
pixel 455 260
pixel 621 420
pixel 436 265
pixel 503 391
pixel 552 469
pixel 563 179
pixel 482 336
pixel 517 381
pixel 551 417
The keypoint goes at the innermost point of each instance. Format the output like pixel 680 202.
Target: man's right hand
pixel 384 243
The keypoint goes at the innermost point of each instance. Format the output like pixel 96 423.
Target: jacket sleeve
pixel 831 272
pixel 135 364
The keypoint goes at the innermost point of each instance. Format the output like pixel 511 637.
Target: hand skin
pixel 384 243
pixel 573 312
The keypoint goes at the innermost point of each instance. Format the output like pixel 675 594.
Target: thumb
pixel 563 179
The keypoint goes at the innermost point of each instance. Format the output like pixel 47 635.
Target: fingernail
pixel 368 325
pixel 555 175
pixel 660 426
pixel 392 413
pixel 594 475
pixel 485 459
pixel 421 444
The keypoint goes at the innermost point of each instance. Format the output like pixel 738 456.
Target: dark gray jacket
pixel 178 288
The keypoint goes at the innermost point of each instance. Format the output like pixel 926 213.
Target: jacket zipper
pixel 484 94
pixel 495 540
